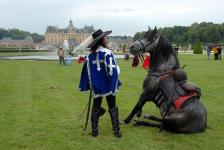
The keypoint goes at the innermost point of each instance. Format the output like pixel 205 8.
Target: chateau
pixel 74 36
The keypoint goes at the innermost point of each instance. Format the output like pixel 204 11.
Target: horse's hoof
pixel 135 124
pixel 123 122
pixel 136 119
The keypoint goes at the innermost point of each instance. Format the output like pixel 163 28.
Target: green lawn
pixel 40 106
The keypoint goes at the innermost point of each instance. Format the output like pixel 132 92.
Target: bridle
pixel 140 53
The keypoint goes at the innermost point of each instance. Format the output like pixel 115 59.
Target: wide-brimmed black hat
pixel 99 34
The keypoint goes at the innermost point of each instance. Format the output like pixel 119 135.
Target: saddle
pixel 175 89
pixel 190 91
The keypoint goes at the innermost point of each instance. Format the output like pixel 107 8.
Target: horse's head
pixel 163 57
pixel 147 43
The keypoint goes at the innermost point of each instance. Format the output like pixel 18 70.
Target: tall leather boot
pixel 101 111
pixel 115 121
pixel 94 120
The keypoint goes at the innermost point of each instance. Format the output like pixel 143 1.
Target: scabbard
pixel 88 110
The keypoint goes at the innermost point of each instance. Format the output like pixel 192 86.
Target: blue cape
pixel 100 72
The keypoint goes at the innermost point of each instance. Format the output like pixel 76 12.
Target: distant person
pixel 146 63
pixel 135 61
pixel 176 50
pixel 61 55
pixel 215 50
pixel 71 52
pixel 219 52
pixel 126 56
pixel 208 52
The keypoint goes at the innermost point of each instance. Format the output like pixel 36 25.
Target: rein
pixel 145 46
pixel 140 54
pixel 163 75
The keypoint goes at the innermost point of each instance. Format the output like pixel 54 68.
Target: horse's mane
pixel 165 46
pixel 164 51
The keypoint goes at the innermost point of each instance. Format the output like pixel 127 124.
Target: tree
pixel 17 34
pixel 197 47
pixel 37 38
pixel 138 35
pixel 4 33
pixel 206 32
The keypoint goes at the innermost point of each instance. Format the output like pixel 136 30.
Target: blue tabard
pixel 100 72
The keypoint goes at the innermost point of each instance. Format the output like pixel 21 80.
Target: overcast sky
pixel 123 17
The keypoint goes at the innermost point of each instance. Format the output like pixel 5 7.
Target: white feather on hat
pixel 84 44
pixel 91 40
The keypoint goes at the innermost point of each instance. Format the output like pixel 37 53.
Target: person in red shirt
pixel 146 63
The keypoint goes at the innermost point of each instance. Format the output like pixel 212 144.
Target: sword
pixel 83 112
pixel 88 110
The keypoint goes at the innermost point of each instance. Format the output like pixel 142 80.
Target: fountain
pixel 68 59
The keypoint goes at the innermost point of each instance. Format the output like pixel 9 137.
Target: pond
pixel 43 57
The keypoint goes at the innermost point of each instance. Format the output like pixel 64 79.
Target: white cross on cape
pixel 111 66
pixel 97 62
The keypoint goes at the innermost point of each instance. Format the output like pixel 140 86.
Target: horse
pixel 167 86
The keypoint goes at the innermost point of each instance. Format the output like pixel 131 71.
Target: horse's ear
pixel 155 29
pixel 149 29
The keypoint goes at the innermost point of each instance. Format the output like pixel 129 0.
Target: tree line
pixel 17 34
pixel 205 32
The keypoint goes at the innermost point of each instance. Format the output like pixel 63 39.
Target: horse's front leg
pixel 139 113
pixel 138 107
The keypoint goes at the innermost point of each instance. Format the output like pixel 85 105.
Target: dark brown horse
pixel 166 85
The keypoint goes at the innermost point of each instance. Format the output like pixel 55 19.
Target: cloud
pixel 122 16
pixel 126 8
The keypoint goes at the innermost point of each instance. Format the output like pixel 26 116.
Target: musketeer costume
pixel 100 72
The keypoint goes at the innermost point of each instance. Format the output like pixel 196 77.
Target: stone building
pixel 120 43
pixel 74 36
pixel 8 42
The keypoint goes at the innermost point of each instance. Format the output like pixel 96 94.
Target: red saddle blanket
pixel 180 101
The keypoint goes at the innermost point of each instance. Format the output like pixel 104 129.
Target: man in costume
pixel 100 73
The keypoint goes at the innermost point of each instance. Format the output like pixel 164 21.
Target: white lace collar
pixel 103 49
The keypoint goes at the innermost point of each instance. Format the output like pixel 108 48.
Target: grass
pixel 40 107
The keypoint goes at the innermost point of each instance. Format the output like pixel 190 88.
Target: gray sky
pixel 123 17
